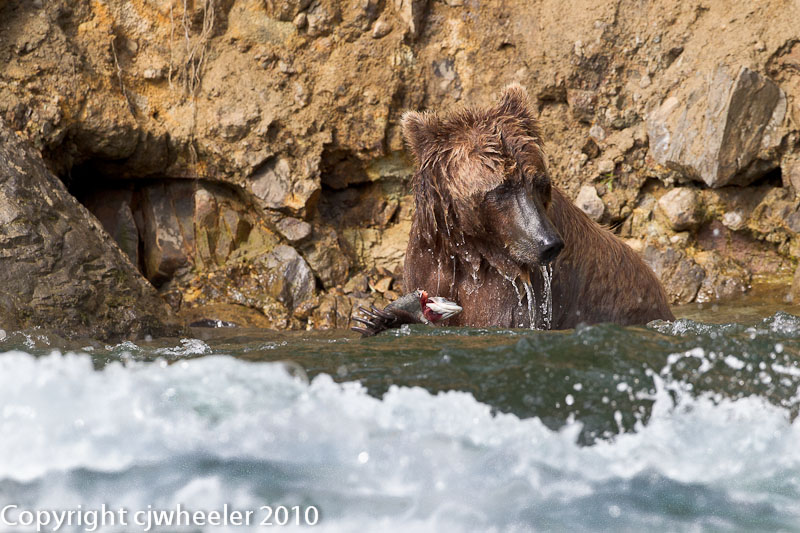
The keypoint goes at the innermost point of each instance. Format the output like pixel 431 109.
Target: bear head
pixel 482 180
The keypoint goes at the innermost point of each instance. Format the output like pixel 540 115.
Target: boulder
pixel 293 230
pixel 325 255
pixel 278 188
pixel 590 203
pixel 681 207
pixel 714 128
pixel 60 270
pixel 164 242
pixel 288 277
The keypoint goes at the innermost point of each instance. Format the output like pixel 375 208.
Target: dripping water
pixel 439 276
pixel 513 282
pixel 547 290
pixel 453 280
pixel 531 304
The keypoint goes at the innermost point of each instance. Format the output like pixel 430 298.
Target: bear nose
pixel 550 249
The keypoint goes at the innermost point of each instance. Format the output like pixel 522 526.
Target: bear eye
pixel 547 190
pixel 500 190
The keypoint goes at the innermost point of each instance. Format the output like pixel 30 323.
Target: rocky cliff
pixel 246 157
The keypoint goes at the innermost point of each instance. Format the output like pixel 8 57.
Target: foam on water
pixel 219 430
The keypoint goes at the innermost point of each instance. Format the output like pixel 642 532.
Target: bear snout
pixel 549 249
pixel 542 251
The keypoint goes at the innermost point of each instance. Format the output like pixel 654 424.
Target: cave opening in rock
pixel 164 225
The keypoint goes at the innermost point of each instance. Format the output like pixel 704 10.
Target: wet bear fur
pixel 472 239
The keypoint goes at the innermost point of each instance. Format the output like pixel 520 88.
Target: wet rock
pixel 237 315
pixel 679 274
pixel 715 127
pixel 60 270
pixel 757 257
pixel 275 100
pixel 724 277
pixel 681 207
pixel 333 312
pixel 590 203
pixel 794 293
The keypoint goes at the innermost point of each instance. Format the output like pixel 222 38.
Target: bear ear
pixel 514 102
pixel 514 107
pixel 418 131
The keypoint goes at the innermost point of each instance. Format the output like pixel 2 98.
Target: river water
pixel 682 426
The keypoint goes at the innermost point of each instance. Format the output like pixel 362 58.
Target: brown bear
pixel 492 233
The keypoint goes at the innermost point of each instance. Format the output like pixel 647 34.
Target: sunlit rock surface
pixel 283 119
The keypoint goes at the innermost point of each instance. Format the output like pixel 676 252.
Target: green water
pixel 676 426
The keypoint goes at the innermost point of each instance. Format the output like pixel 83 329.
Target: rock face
pixel 206 135
pixel 716 127
pixel 60 270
